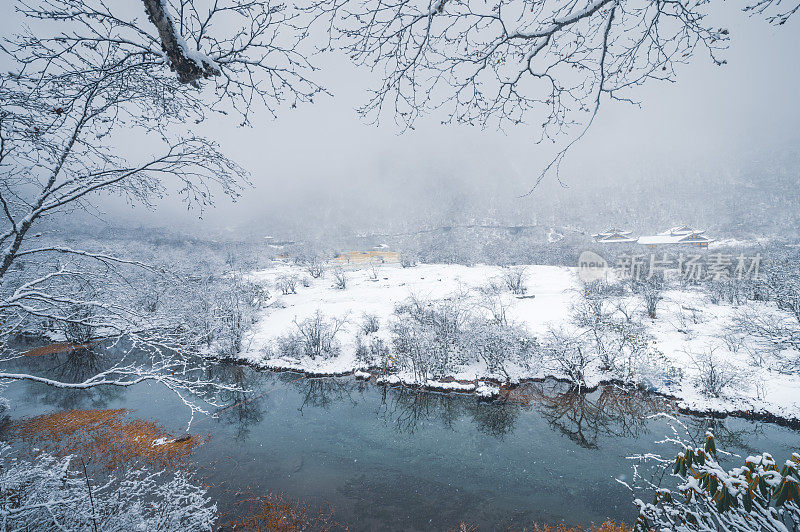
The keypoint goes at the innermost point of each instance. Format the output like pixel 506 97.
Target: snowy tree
pixel 314 337
pixel 80 71
pixel 567 353
pixel 47 493
pixel 504 62
pixel 551 64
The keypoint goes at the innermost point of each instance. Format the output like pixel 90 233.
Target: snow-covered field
pixel 687 326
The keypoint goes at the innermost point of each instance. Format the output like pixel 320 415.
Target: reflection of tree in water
pixel 727 437
pixel 241 407
pixel 71 366
pixel 583 417
pixel 406 408
pixel 324 391
pixel 495 419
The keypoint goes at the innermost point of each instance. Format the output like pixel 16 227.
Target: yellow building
pixel 366 257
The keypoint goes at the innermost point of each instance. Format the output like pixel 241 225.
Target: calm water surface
pixel 394 459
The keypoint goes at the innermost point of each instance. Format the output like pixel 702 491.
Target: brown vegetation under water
pixel 276 513
pixel 608 526
pixel 105 438
pixel 54 349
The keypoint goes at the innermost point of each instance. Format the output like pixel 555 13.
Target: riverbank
pixel 687 331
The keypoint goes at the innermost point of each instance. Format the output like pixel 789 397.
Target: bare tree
pixel 315 268
pixel 249 50
pixel 339 279
pixel 505 62
pixel 567 353
pixel 514 278
pixel 714 376
pixel 494 299
pixel 287 284
pixel 651 290
pixel 315 338
pixel 80 70
pixel 776 11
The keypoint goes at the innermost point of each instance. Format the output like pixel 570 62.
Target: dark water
pixel 394 459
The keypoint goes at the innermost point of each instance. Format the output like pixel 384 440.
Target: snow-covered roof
pixel 614 238
pixel 611 232
pixel 663 238
pixel 680 230
pixel 613 235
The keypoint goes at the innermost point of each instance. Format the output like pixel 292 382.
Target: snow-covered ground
pixel 687 326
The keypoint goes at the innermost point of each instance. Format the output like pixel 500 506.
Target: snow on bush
pixel 611 335
pixel 339 279
pixel 714 375
pixel 694 492
pixel 47 493
pixel 431 338
pixel 314 338
pixel 286 284
pixel 514 279
pixel 215 312
pixel 315 268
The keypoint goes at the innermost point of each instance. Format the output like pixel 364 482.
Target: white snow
pixel 687 325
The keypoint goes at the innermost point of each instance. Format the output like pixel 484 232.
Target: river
pixel 398 459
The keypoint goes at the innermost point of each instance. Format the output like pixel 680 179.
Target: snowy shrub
pixel 233 317
pixel 592 314
pixel 729 290
pixel 286 284
pixel 315 338
pixel 45 493
pixel 685 317
pixel 407 261
pixel 732 340
pixel 369 324
pixel 215 312
pixel 497 345
pixel 339 279
pixel 514 279
pixel 772 337
pixel 616 339
pixel 651 292
pixel 432 338
pixel 495 300
pixel 372 350
pixel 714 376
pixel 631 343
pixel 373 272
pixel 651 370
pixel 315 269
pixel 426 334
pixel 781 282
pixel 567 354
pixel 150 297
pixel 695 493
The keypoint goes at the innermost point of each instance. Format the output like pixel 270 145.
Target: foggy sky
pixel 322 162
